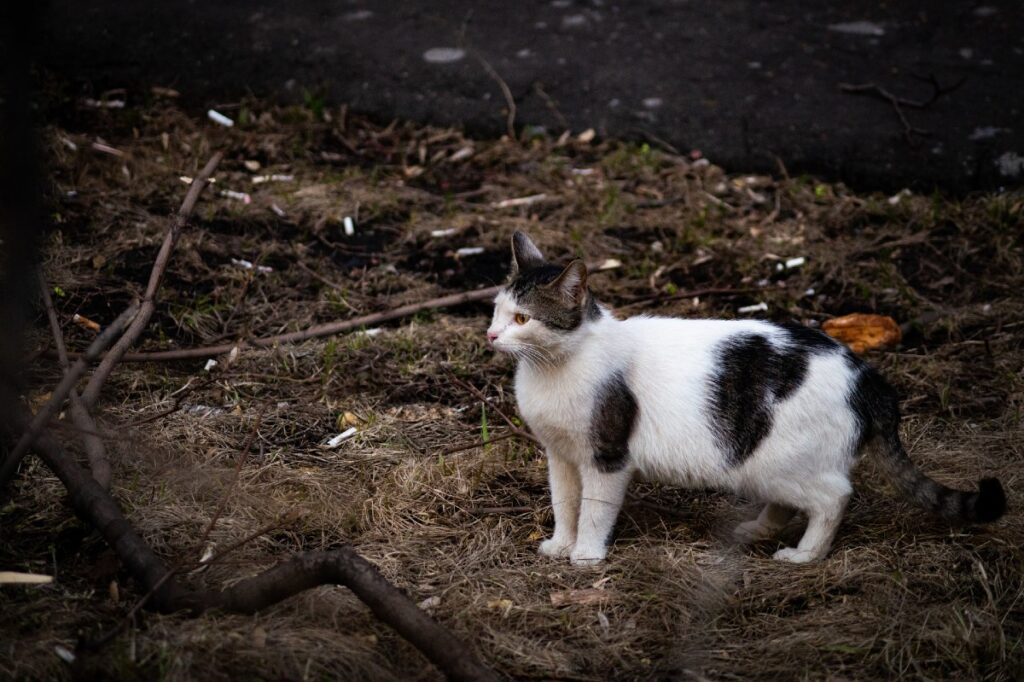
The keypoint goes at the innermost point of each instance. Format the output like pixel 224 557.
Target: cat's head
pixel 540 313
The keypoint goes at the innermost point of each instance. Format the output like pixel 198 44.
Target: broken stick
pixel 94 448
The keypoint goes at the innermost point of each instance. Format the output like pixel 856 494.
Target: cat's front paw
pixel 556 547
pixel 794 555
pixel 587 556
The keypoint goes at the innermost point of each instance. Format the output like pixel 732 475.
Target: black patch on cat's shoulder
pixel 611 424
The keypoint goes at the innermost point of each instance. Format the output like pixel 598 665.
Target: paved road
pixel 743 81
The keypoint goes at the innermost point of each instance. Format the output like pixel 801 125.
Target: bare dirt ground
pixel 901 594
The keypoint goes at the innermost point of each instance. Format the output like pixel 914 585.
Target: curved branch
pixel 94 448
pixel 340 566
pixel 92 390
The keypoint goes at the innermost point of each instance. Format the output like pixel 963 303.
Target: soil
pixel 900 595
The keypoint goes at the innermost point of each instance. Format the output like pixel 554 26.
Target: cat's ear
pixel 525 253
pixel 572 283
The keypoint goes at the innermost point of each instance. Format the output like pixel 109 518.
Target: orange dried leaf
pixel 863 331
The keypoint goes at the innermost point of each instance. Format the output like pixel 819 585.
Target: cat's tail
pixel 983 506
pixel 959 506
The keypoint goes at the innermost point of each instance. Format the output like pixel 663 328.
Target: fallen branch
pixel 340 566
pixel 317 331
pixel 331 328
pixel 83 421
pixel 60 393
pixel 92 390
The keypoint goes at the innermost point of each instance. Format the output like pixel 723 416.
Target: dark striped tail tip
pixel 990 503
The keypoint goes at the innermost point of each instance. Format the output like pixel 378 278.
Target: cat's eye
pixel 522 318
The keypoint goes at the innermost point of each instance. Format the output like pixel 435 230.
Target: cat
pixel 778 413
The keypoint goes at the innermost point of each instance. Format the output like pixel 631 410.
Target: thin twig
pixel 481 443
pixel 898 103
pixel 516 429
pixel 510 102
pixel 658 298
pixel 60 393
pixel 94 448
pixel 92 390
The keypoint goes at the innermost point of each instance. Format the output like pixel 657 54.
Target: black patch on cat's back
pixel 752 376
pixel 611 424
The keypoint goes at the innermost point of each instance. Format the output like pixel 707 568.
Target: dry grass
pixel 900 595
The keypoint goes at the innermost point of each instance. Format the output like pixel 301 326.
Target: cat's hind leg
pixel 564 479
pixel 603 493
pixel 772 519
pixel 824 509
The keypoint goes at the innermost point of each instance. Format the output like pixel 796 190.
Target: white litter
pixel 896 198
pixel 69 144
pixel 756 308
pixel 64 653
pixel 520 201
pixel 259 179
pixel 443 55
pixel 104 103
pixel 220 118
pixel 447 232
pixel 985 132
pixel 107 149
pixel 350 226
pixel 207 554
pixel 582 171
pixel 610 264
pixel 237 196
pixel 470 251
pixel 461 154
pixel 210 364
pixel 430 603
pixel 248 265
pixel 371 332
pixel 187 179
pixel 252 165
pixel 344 435
pixel 790 263
pixel 204 410
pixel 858 28
pixel 17 578
pixel 278 211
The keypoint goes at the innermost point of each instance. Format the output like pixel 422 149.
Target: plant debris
pixel 450 512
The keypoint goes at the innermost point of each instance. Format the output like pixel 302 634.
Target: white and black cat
pixel 775 413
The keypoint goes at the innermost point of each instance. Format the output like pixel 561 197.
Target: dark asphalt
pixel 744 82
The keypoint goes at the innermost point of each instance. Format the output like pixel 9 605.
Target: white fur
pixel 803 464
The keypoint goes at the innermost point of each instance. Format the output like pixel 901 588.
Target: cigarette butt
pixel 220 118
pixel 350 226
pixel 85 322
pixel 344 435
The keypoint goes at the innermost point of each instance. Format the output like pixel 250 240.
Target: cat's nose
pixel 491 336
